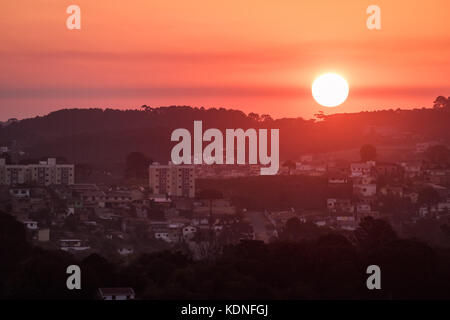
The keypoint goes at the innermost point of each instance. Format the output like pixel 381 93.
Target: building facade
pixel 173 180
pixel 44 173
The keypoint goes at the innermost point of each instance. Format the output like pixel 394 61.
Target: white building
pixel 162 234
pixel 31 225
pixel 72 245
pixel 189 232
pixel 44 173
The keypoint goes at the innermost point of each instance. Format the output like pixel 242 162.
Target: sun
pixel 330 90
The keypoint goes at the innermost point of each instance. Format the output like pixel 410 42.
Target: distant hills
pixel 96 135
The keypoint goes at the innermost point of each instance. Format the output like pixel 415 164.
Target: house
pixel 125 250
pixel 72 245
pixel 365 190
pixel 174 235
pixel 92 198
pixel 336 205
pixel 189 232
pixel 160 230
pixel 115 199
pixel 162 234
pixel 412 169
pixel 31 225
pixel 370 200
pixel 126 293
pixel 444 206
pixel 141 211
pixel 395 190
pixel 337 178
pixel 363 208
pixel 43 235
pixel 438 176
pixel 361 169
pixel 346 222
pixel 20 192
pixel 386 169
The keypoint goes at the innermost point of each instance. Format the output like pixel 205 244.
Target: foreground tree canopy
pixel 322 266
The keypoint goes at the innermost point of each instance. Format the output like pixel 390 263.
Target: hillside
pixel 95 135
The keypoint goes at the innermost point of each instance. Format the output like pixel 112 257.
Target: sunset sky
pixel 256 56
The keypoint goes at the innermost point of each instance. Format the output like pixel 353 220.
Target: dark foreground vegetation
pixel 328 266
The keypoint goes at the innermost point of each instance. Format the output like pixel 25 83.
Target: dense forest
pixel 262 192
pixel 308 262
pixel 96 135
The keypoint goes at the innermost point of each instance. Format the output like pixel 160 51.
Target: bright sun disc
pixel 330 90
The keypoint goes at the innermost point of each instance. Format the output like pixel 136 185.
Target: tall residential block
pixel 44 173
pixel 173 180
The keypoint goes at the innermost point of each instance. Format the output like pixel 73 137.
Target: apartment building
pixel 44 173
pixel 173 180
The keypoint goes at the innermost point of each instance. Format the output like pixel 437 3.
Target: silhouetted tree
pixel 374 233
pixel 83 171
pixel 13 241
pixel 266 118
pixel 320 115
pixel 254 116
pixel 438 154
pixel 146 108
pixel 137 165
pixel 428 197
pixel 210 195
pixel 6 156
pixel 441 102
pixel 290 165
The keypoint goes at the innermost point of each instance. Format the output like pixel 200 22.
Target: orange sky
pixel 259 56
